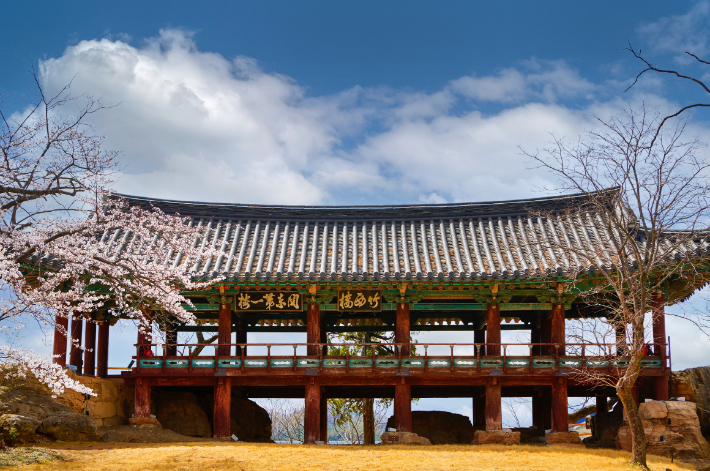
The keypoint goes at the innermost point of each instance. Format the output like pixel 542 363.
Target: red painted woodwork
pixel 659 341
pixel 222 404
pixel 102 350
pixel 479 411
pixel 542 408
pixel 224 332
pixel 324 341
pixel 312 418
pixel 402 327
pixel 493 330
pixel 59 348
pixel 559 405
pixel 241 335
pixel 313 328
pixel 323 418
pixel 557 328
pixel 403 405
pixel 142 398
pixel 77 326
pixel 170 340
pixel 494 411
pixel 479 337
pixel 90 346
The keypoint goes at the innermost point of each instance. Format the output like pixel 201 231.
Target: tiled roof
pixel 505 239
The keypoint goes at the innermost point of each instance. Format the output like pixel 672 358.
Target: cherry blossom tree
pixel 68 246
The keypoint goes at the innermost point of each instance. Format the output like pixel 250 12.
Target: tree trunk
pixel 368 421
pixel 638 436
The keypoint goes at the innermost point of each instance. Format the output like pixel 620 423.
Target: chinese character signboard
pixel 359 300
pixel 269 301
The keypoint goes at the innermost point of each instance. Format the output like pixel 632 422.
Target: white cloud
pixel 677 34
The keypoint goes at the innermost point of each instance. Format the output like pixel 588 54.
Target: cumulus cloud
pixel 677 34
pixel 196 125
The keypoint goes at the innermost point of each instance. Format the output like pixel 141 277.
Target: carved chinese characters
pixel 269 301
pixel 359 300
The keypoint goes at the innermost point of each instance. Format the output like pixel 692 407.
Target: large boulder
pixel 693 385
pixel 182 413
pixel 70 426
pixel 672 428
pixel 496 437
pixel 403 438
pixel 563 438
pixel 441 428
pixel 249 421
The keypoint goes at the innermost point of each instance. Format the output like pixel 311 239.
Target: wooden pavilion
pixel 476 267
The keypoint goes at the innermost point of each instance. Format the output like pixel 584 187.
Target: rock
pixel 182 413
pixel 248 420
pixel 441 428
pixel 403 438
pixel 496 437
pixel 130 434
pixel 671 427
pixel 530 434
pixel 567 438
pixel 693 384
pixel 145 422
pixel 24 427
pixel 69 426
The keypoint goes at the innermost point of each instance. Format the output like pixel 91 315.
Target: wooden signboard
pixel 269 301
pixel 362 300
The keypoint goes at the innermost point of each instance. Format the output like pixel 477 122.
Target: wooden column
pixel 402 405
pixel 402 328
pixel 494 411
pixel 659 345
pixel 479 411
pixel 542 408
pixel 324 341
pixel 557 328
pixel 90 348
pixel 102 350
pixel 323 418
pixel 313 329
pixel 224 330
pixel 479 337
pixel 77 326
pixel 241 336
pixel 560 420
pixel 312 418
pixel 221 418
pixel 142 398
pixel 171 337
pixel 59 348
pixel 493 330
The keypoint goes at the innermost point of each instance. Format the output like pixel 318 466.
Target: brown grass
pixel 258 457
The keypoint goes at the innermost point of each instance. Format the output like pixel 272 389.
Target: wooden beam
pixel 494 411
pixel 313 328
pixel 224 334
pixel 222 405
pixel 90 348
pixel 402 327
pixel 402 405
pixel 59 348
pixel 558 327
pixel 312 418
pixel 102 350
pixel 77 326
pixel 493 330
pixel 559 405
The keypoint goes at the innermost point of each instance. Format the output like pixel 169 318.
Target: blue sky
pixel 368 102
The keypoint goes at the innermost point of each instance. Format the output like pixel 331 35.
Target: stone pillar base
pixel 496 437
pixel 563 438
pixel 403 438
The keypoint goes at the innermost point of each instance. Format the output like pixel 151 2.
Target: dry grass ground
pixel 261 457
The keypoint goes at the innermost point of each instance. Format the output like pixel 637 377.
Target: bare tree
pixel 642 232
pixel 287 417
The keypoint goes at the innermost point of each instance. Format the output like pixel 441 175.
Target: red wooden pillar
pixel 90 348
pixel 241 335
pixel 59 348
pixel 493 330
pixel 170 340
pixel 659 345
pixel 557 329
pixel 102 350
pixel 494 411
pixel 479 337
pixel 221 419
pixel 77 326
pixel 402 328
pixel 313 329
pixel 560 418
pixel 312 417
pixel 403 405
pixel 142 398
pixel 224 331
pixel 479 411
pixel 323 418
